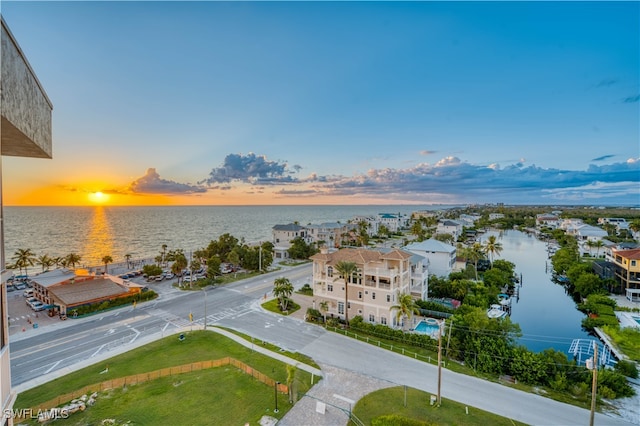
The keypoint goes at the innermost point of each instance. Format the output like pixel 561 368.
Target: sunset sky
pixel 228 103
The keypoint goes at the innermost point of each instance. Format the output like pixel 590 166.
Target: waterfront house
pixel 441 256
pixel 372 223
pixel 281 237
pixel 394 222
pixel 63 290
pixel 627 270
pixel 26 132
pixel 546 220
pixel 373 289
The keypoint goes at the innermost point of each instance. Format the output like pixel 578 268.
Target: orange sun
pixel 98 197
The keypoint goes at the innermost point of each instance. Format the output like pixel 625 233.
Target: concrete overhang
pixel 25 107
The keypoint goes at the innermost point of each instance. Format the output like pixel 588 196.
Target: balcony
pixel 26 109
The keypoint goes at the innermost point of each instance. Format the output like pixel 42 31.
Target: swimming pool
pixel 429 327
pixel 628 319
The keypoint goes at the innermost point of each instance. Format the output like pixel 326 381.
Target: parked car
pixel 159 278
pixel 37 306
pixel 20 285
pixel 30 301
pixel 28 293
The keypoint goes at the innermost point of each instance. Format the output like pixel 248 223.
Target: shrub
pixel 627 368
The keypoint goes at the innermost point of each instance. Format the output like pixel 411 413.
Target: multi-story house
pixel 394 222
pixel 494 216
pixel 627 272
pixel 25 132
pixel 373 290
pixel 449 226
pixel 441 256
pixel 372 224
pixel 282 236
pixel 330 234
pixel 547 220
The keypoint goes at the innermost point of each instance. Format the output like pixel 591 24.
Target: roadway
pixel 42 354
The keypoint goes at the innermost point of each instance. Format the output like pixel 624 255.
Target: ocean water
pixel 95 232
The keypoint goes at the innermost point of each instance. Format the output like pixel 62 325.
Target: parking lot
pixel 22 317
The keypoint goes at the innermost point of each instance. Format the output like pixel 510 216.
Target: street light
pixel 275 388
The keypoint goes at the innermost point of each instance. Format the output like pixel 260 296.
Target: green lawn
pixel 390 401
pixel 214 396
pixel 167 352
pixel 273 305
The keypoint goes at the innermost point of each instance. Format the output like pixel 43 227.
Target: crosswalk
pixel 213 318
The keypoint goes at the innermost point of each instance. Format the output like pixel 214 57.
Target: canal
pixel 547 315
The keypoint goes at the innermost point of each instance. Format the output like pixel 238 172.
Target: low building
pixel 441 256
pixel 546 220
pixel 372 291
pixel 63 290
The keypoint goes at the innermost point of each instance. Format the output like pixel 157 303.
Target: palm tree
pixel 405 308
pixel 178 265
pixel 324 307
pixel 24 258
pixel 106 260
pixel 598 245
pixel 46 262
pixel 72 259
pixel 127 257
pixel 346 271
pixel 282 289
pixel 492 247
pixel 164 251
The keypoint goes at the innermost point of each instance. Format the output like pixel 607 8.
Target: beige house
pixel 26 132
pixel 373 290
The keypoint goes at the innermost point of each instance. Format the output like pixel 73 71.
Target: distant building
pixel 441 256
pixel 551 221
pixel 373 290
pixel 449 226
pixel 494 216
pixel 26 132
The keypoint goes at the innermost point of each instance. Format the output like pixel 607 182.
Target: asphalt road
pixel 42 353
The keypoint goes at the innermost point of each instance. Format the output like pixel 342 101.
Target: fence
pixel 164 372
pixel 394 348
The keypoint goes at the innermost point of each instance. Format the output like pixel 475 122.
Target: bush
pixel 627 368
pixel 306 290
pixel 314 315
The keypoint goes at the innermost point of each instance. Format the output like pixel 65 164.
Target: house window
pixel 383 320
pixel 359 311
pixel 372 318
pixel 373 295
pixel 330 271
pixel 359 295
pixel 388 298
pixel 633 263
pixel 330 287
pixel 348 305
pixel 341 308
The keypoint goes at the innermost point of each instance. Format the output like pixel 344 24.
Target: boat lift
pixel 582 350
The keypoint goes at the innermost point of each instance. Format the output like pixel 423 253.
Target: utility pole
pixel 439 361
pixel 594 384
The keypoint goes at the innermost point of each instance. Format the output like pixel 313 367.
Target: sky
pixel 252 103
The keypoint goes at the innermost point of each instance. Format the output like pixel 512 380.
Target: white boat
pixel 495 311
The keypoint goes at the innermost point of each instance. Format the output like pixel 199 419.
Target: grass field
pixel 167 352
pixel 390 401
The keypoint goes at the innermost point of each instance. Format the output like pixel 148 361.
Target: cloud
pixel 151 183
pixel 456 181
pixel 604 157
pixel 427 152
pixel 607 82
pixel 631 99
pixel 251 168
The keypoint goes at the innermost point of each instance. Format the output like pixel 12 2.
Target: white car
pixel 37 306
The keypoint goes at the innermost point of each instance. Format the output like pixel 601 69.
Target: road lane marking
pixel 52 367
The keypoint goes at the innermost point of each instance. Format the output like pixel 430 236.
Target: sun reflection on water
pixel 99 242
